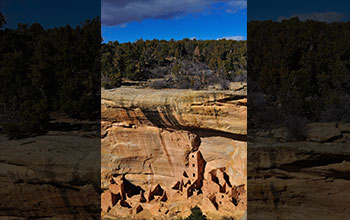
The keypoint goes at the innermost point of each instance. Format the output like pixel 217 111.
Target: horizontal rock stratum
pixel 181 109
pixel 298 180
pixel 164 151
pixel 53 176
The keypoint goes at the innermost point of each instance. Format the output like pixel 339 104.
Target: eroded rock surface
pixel 55 176
pixel 164 151
pixel 298 180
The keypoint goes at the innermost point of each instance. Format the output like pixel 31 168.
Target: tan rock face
pixel 298 180
pixel 174 149
pixel 321 132
pixel 54 175
pixel 180 109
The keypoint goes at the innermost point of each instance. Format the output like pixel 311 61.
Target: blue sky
pixel 167 19
pixel 49 13
pixel 329 11
pixel 128 20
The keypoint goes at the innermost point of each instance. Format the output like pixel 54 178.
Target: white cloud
pixel 237 5
pixel 317 16
pixel 232 38
pixel 116 12
pixel 124 11
pixel 122 25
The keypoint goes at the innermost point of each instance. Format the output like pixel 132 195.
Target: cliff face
pixel 164 151
pixel 54 176
pixel 301 180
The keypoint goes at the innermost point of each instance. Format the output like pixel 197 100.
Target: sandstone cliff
pixel 300 180
pixel 164 151
pixel 54 176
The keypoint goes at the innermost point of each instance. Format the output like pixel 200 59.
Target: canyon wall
pixel 300 180
pixel 165 151
pixel 53 176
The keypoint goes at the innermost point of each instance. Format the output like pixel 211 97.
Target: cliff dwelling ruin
pixel 164 152
pixel 216 187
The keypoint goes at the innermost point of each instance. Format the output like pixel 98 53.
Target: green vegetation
pixel 184 64
pixel 196 214
pixel 298 71
pixel 42 71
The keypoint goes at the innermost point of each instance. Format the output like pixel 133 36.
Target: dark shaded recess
pixel 234 201
pixel 176 186
pixel 236 97
pixel 115 198
pixel 111 181
pixel 314 161
pixel 130 189
pixel 227 179
pixel 164 197
pixel 143 199
pixel 55 184
pixel 42 217
pixel 188 183
pixel 150 196
pixel 212 133
pixel 338 175
pixel 139 209
pixel 223 188
pixel 65 126
pixel 124 203
pixel 158 191
pixel 213 201
pixel 155 118
pixel 77 181
pixel 214 178
pixel 195 186
pixel 185 174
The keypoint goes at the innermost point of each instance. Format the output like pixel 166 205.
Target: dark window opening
pixel 193 165
pixel 194 175
pixel 192 156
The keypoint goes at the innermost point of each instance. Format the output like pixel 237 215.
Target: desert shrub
pixel 241 77
pixel 296 128
pixel 195 84
pixel 108 82
pixel 238 75
pixel 183 82
pixel 268 117
pixel 159 71
pixel 224 84
pixel 339 112
pixel 256 101
pixel 26 116
pixel 196 214
pixel 158 84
